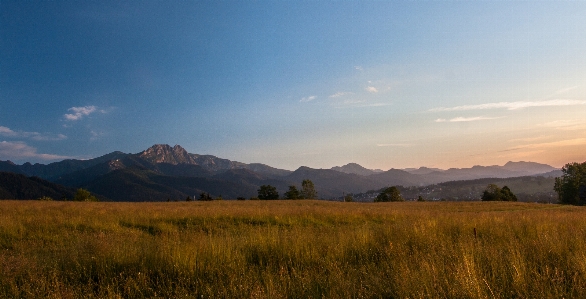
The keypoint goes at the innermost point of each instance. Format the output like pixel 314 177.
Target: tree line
pixel 570 187
pixel 268 192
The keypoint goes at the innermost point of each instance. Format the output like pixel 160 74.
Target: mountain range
pixel 163 172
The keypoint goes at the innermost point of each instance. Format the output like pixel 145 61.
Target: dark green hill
pixel 330 183
pixel 18 186
pixel 139 184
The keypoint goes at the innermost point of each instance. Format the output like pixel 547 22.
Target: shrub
pixel 494 193
pixel 349 198
pixel 268 192
pixel 389 194
pixel 84 195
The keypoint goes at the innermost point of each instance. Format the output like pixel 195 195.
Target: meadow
pixel 291 249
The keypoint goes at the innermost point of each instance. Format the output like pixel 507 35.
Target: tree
pixel 568 185
pixel 84 195
pixel 494 193
pixel 308 189
pixel 349 197
pixel 507 195
pixel 491 193
pixel 293 193
pixel 268 192
pixel 420 198
pixel 389 194
pixel 205 197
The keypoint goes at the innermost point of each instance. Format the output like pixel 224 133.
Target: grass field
pixel 291 249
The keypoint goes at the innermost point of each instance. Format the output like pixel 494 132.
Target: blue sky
pixel 291 83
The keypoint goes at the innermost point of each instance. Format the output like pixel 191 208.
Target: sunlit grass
pixel 292 249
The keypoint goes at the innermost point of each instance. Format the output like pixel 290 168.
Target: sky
pixel 385 84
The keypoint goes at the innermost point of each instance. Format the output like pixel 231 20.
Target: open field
pixel 292 249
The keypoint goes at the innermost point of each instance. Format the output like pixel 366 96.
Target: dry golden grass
pixel 291 249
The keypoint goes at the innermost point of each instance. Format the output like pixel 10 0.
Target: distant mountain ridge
pixel 163 172
pixel 356 169
pixel 425 175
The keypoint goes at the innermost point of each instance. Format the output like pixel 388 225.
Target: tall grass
pixel 291 249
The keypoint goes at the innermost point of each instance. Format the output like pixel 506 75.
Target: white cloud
pixel 308 99
pixel 464 119
pixel 371 89
pixel 359 68
pixel 80 112
pixel 7 132
pixel 19 150
pixel 340 94
pixel 512 105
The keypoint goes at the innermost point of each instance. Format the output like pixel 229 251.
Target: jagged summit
pixel 164 153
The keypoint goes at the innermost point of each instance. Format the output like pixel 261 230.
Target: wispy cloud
pixel 563 90
pixel 530 139
pixel 360 104
pixel 359 68
pixel 7 132
pixel 79 112
pixel 19 150
pixel 340 94
pixel 464 119
pixel 394 144
pixel 565 124
pixel 560 143
pixel 308 99
pixel 511 105
pixel 96 135
pixel 371 89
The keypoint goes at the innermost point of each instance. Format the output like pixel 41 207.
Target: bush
pixel 349 198
pixel 494 193
pixel 84 195
pixel 205 197
pixel 389 194
pixel 293 193
pixel 268 192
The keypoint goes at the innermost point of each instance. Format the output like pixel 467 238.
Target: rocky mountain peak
pixel 164 153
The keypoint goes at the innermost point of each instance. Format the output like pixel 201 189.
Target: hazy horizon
pixel 399 84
